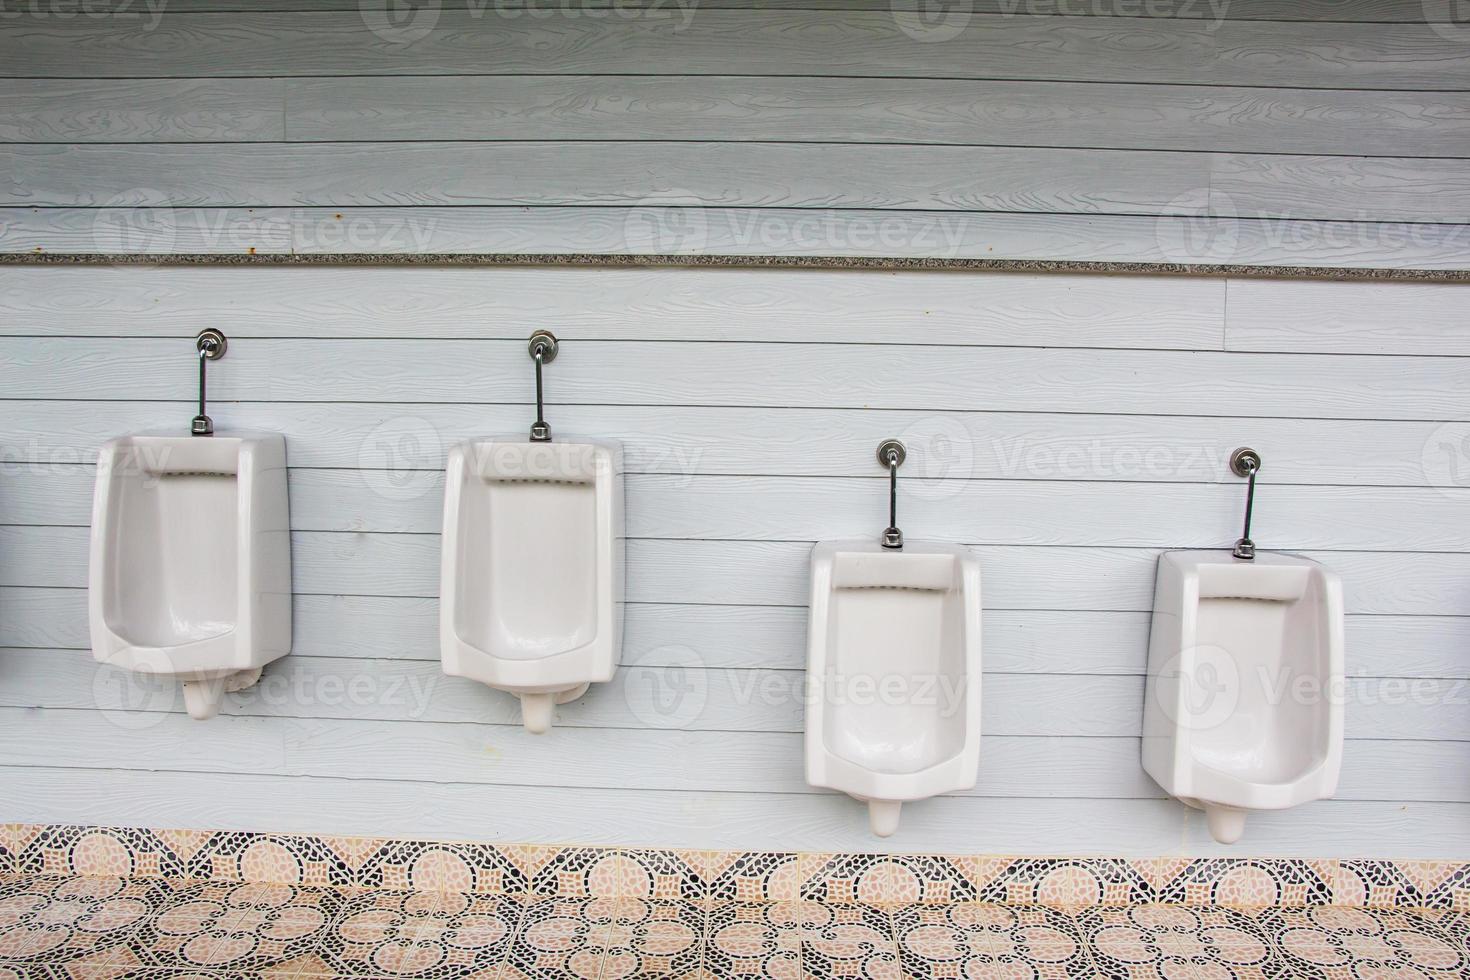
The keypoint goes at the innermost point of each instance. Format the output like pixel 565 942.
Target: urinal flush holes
pixel 528 582
pixel 175 557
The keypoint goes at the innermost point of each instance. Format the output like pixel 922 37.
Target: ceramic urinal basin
pixel 1245 665
pixel 531 595
pixel 894 647
pixel 191 560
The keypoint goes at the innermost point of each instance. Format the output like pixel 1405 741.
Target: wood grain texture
pixel 737 176
pixel 1070 428
pixel 722 42
pixel 1017 641
pixel 603 758
pixel 775 572
pixel 852 376
pixel 1348 319
pixel 824 233
pixel 759 508
pixel 675 701
pixel 1346 11
pixel 145 110
pixel 720 820
pixel 400 449
pixel 622 304
pixel 1378 189
pixel 877 110
pixel 644 175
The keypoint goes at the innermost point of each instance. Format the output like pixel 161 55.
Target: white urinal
pixel 190 571
pixel 531 584
pixel 1243 707
pixel 893 659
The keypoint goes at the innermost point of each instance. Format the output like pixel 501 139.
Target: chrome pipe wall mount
pixel 892 454
pixel 542 348
pixel 211 345
pixel 1246 462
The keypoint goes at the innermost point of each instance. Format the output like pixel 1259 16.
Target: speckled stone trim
pixel 747 262
pixel 758 876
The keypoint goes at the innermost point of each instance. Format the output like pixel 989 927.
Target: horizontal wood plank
pixel 620 304
pixel 1199 240
pixel 689 696
pixel 1349 318
pixel 1347 11
pixel 753 508
pixel 858 376
pixel 688 761
pixel 1017 641
pixel 719 42
pixel 400 449
pixel 690 174
pixel 876 110
pixel 77 110
pixel 775 573
pixel 643 175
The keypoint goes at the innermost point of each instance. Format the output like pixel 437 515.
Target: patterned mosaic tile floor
pixel 115 928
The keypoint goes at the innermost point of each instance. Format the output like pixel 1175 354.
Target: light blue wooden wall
pixel 1067 427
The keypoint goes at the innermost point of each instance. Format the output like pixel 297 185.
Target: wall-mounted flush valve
pixel 542 349
pixel 892 454
pixel 211 345
pixel 1247 463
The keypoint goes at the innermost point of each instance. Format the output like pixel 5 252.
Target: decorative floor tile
pixel 847 940
pixel 568 872
pixel 746 876
pixel 1332 942
pixel 184 930
pixel 1064 883
pixel 478 868
pixel 654 939
pixel 974 939
pixel 1173 940
pixel 876 879
pixel 1424 884
pixel 561 939
pixel 753 939
pixel 276 928
pixel 52 921
pixel 1222 881
pixel 379 933
pixel 113 928
pixel 474 933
